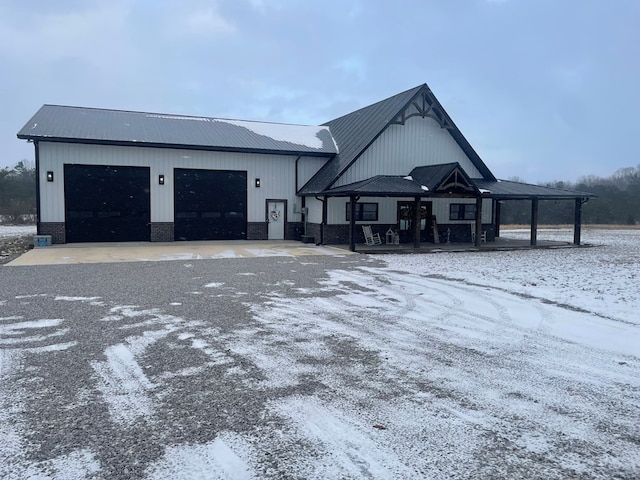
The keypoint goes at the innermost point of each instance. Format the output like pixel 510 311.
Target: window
pixel 462 211
pixel 365 212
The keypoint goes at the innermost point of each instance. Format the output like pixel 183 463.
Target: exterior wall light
pixel 49 176
pixel 257 183
pixel 160 179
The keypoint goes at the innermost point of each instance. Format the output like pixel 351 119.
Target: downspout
pixel 304 217
pixel 297 160
pixel 37 157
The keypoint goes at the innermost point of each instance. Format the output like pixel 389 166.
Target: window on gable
pixel 365 212
pixel 462 211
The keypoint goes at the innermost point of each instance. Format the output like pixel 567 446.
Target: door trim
pixel 266 214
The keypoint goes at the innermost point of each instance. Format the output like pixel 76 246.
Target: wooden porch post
pixel 416 224
pixel 324 219
pixel 478 221
pixel 496 210
pixel 577 221
pixel 534 221
pixel 352 224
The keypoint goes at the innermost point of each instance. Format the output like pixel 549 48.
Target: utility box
pixel 42 241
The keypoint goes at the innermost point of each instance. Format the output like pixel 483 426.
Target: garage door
pixel 210 204
pixel 106 203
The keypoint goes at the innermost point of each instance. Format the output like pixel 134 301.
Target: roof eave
pixel 176 146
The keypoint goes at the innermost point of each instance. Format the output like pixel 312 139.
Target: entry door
pixel 276 216
pixel 406 219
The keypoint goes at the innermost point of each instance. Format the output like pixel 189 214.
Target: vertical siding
pixel 388 209
pixel 400 148
pixel 276 173
pixel 441 209
pixel 307 168
pixel 315 210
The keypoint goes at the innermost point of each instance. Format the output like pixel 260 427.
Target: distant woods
pixel 618 201
pixel 18 193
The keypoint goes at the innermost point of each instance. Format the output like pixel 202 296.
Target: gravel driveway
pixel 300 367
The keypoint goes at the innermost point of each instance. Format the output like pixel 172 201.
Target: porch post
pixel 324 219
pixel 478 221
pixel 416 222
pixel 496 209
pixel 577 221
pixel 534 221
pixel 352 224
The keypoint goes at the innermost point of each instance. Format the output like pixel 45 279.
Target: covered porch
pixel 430 183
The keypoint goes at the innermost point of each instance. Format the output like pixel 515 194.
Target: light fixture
pixel 257 183
pixel 49 176
pixel 160 179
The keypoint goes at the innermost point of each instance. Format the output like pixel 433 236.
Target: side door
pixel 276 218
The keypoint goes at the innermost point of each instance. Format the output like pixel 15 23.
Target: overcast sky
pixel 542 89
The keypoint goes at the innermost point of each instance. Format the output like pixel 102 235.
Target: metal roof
pixel 505 190
pixel 380 185
pixel 356 131
pixel 424 182
pixel 93 125
pixel 432 176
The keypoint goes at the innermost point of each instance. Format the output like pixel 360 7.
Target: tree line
pixel 18 193
pixel 618 200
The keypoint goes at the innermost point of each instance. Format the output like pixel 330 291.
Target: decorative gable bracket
pixel 423 105
pixel 456 182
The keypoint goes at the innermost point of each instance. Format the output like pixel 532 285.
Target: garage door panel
pixel 210 204
pixel 107 203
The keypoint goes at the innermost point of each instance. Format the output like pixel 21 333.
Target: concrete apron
pixel 153 252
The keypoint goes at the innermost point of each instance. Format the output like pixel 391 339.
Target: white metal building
pixel 399 164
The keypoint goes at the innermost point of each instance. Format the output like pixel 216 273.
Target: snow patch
pixel 224 458
pixel 296 134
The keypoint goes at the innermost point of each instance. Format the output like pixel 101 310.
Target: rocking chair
pixel 371 238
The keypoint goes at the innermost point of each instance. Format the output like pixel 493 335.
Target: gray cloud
pixel 542 89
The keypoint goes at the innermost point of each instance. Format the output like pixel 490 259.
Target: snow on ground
pixel 7 231
pixel 513 364
pixel 604 279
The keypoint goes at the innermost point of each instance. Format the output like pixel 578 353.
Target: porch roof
pixel 507 190
pixel 423 182
pixel 380 186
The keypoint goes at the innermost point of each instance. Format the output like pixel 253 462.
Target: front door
pixel 276 218
pixel 406 221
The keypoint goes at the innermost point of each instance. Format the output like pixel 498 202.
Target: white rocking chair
pixel 483 236
pixel 371 238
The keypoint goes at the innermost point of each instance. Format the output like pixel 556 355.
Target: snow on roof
pixel 297 134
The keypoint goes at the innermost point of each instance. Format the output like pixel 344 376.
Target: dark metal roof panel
pixel 55 122
pixel 380 185
pixel 353 133
pixel 431 175
pixel 506 189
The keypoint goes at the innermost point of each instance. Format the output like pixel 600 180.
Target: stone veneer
pixel 257 231
pixel 162 232
pixel 57 231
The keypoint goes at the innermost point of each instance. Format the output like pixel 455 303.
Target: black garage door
pixel 106 203
pixel 210 204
